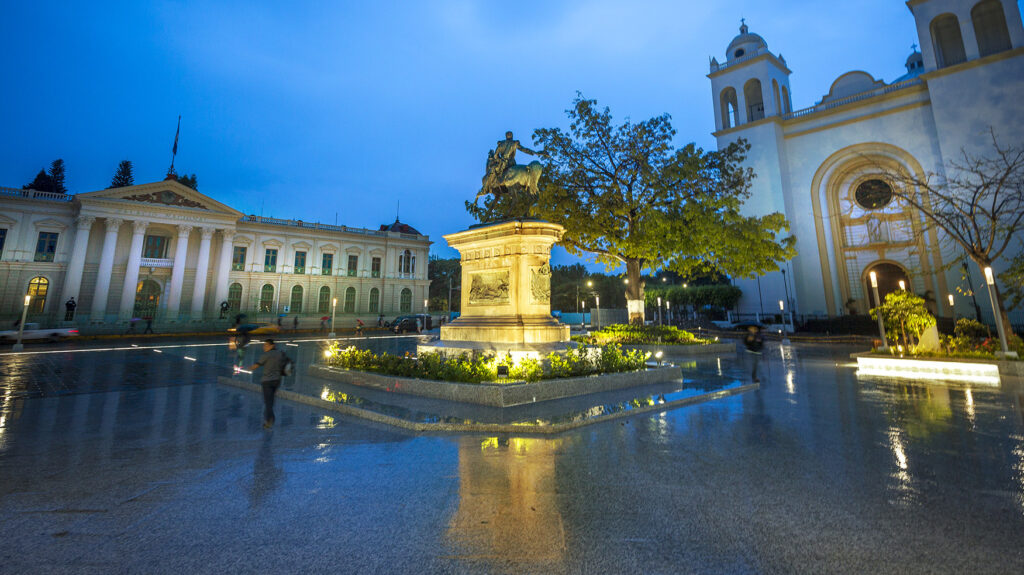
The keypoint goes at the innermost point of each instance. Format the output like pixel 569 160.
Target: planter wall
pixel 499 394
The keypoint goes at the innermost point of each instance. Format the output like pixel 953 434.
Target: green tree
pixel 905 316
pixel 124 176
pixel 977 204
pixel 56 174
pixel 440 271
pixel 1013 279
pixel 189 181
pixel 625 195
pixel 42 183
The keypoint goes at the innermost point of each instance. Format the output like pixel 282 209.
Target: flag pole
pixel 174 149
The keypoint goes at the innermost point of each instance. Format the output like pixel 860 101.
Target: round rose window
pixel 873 194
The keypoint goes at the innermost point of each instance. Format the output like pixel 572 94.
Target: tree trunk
pixel 634 292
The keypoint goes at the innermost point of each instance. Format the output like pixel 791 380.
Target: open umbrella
pixel 325 318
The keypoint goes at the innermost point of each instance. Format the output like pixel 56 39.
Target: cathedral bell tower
pixel 751 85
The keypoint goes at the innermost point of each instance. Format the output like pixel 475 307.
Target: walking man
pixel 754 342
pixel 70 306
pixel 295 324
pixel 272 362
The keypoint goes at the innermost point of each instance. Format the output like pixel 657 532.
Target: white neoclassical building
pixel 819 165
pixel 165 251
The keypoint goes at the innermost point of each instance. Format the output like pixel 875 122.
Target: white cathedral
pixel 819 165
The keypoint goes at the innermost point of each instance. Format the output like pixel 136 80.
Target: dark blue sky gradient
pixel 307 110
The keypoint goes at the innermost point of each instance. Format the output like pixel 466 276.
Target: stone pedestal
pixel 506 290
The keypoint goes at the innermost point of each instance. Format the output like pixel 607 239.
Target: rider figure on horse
pixel 500 160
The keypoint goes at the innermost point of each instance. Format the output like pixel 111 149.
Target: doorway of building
pixel 147 299
pixel 889 277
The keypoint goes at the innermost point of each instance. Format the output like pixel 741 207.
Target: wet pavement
pixel 137 461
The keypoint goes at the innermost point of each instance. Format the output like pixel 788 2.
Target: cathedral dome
pixel 745 44
pixel 915 66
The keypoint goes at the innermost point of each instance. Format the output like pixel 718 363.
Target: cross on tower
pixel 914 46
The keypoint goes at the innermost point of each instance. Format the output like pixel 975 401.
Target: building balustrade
pixel 156 263
pixel 35 194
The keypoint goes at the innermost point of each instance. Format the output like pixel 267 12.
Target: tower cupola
pixel 746 44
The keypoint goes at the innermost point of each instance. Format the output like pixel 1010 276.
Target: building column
pixel 178 272
pixel 202 271
pixel 73 277
pixel 101 294
pixel 131 274
pixel 227 248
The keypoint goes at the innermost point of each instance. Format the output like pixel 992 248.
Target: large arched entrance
pixel 147 299
pixel 889 277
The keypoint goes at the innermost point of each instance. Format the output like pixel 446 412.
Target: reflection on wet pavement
pixel 125 462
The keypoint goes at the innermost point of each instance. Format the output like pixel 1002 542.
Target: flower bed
pixel 641 334
pixel 484 368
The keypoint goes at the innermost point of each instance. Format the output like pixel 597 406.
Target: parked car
pixel 33 332
pixel 404 323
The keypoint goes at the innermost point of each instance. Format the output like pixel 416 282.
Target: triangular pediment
pixel 167 193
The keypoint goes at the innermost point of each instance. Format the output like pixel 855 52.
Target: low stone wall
pixel 1005 367
pixel 674 350
pixel 499 394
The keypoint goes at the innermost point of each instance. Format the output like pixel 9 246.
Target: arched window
pixel 37 289
pixel 787 106
pixel 778 99
pixel 235 297
pixel 350 300
pixel 730 116
pixel 324 301
pixel 990 27
pixel 754 99
pixel 296 302
pixel 374 300
pixel 407 263
pixel 949 45
pixel 147 299
pixel 405 304
pixel 267 298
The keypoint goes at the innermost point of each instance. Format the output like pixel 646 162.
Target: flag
pixel 174 150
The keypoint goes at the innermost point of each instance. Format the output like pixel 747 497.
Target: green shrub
pixel 484 368
pixel 642 334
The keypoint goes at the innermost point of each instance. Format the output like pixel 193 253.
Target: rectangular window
pixel 353 265
pixel 3 238
pixel 375 267
pixel 155 247
pixel 270 261
pixel 328 264
pixel 300 262
pixel 46 247
pixel 238 259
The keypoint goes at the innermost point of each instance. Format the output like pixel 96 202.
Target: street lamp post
pixel 334 309
pixel 878 302
pixel 785 335
pixel 597 300
pixel 21 326
pixel 952 308
pixel 660 319
pixel 668 310
pixel 991 281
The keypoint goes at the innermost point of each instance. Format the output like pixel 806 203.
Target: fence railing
pixel 324 227
pixel 854 98
pixel 35 194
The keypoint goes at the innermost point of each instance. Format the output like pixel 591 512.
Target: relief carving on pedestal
pixel 489 288
pixel 540 284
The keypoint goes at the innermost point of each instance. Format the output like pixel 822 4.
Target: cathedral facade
pixel 823 166
pixel 164 251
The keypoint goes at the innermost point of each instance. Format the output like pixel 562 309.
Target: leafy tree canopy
pixel 625 195
pixel 189 181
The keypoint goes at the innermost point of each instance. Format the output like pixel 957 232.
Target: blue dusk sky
pixel 324 110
